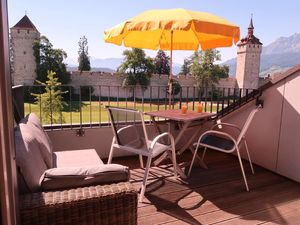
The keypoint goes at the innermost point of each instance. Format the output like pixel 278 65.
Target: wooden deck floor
pixel 216 195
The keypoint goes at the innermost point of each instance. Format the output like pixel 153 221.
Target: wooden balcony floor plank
pixel 216 195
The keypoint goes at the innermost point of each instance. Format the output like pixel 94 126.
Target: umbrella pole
pixel 171 74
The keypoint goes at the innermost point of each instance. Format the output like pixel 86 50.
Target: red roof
pixel 25 22
pixel 250 38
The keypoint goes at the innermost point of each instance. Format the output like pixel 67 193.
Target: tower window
pixel 24 66
pixel 27 31
pixel 18 31
pixel 24 52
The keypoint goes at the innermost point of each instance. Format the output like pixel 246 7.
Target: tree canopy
pixel 83 55
pixel 162 63
pixel 137 68
pixel 47 58
pixel 51 101
pixel 203 68
pixel 185 68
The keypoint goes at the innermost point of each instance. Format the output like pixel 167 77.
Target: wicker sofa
pixel 71 187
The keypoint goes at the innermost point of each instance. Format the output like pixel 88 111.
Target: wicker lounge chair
pixel 63 187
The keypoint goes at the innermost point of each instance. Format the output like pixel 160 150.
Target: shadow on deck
pixel 216 195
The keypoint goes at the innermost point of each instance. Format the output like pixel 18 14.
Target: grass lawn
pixel 93 112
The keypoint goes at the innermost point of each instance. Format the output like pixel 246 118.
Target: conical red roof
pixel 25 22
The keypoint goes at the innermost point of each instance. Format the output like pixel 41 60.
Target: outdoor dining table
pixel 184 121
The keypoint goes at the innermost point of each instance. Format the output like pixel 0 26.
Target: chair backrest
pixel 247 123
pixel 128 127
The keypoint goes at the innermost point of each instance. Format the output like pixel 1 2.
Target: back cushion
pixel 28 156
pixel 42 138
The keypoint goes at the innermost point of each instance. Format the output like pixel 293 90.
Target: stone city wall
pixel 108 84
pixel 24 64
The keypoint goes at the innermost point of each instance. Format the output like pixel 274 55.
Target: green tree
pixel 47 58
pixel 185 68
pixel 51 101
pixel 162 63
pixel 203 68
pixel 83 55
pixel 137 67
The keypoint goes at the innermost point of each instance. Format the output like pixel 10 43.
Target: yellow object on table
pixel 200 108
pixel 184 109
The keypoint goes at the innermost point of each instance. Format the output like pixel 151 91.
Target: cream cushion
pixel 28 157
pixel 42 138
pixel 37 161
pixel 76 158
pixel 67 177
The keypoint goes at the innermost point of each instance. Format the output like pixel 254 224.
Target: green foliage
pixel 162 63
pixel 86 92
pixel 83 55
pixel 137 67
pixel 203 68
pixel 176 87
pixel 185 68
pixel 51 101
pixel 47 58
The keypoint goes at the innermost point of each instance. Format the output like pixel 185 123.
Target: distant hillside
pixel 111 65
pixel 280 55
pixel 93 69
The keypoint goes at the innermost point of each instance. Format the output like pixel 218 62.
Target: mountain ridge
pixel 277 56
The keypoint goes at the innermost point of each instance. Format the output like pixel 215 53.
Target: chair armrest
pixel 226 124
pixel 124 128
pixel 115 204
pixel 156 139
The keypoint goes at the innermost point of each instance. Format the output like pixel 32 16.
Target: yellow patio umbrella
pixel 174 29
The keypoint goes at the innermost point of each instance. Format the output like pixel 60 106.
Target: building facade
pixel 23 35
pixel 248 60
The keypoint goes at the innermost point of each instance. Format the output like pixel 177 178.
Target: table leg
pixel 188 144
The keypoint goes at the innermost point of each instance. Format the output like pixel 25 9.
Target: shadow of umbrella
pixel 170 203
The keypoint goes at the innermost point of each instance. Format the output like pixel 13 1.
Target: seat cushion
pixel 42 138
pixel 70 177
pixel 28 156
pixel 218 142
pixel 159 148
pixel 76 158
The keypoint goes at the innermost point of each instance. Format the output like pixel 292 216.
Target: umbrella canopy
pixel 153 30
pixel 174 29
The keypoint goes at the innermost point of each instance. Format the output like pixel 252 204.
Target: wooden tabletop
pixel 177 115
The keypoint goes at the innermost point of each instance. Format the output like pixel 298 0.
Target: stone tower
pixel 248 60
pixel 23 35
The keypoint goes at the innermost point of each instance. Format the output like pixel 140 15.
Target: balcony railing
pixel 85 105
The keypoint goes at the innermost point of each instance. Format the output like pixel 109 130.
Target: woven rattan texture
pixel 103 204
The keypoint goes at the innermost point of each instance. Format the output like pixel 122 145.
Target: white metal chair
pixel 224 142
pixel 130 134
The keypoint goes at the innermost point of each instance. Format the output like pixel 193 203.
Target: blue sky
pixel 65 21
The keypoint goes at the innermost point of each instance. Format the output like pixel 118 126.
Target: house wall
pixel 109 82
pixel 99 139
pixel 248 65
pixel 274 135
pixel 24 64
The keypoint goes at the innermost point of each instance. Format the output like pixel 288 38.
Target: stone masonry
pixel 23 34
pixel 107 84
pixel 248 60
